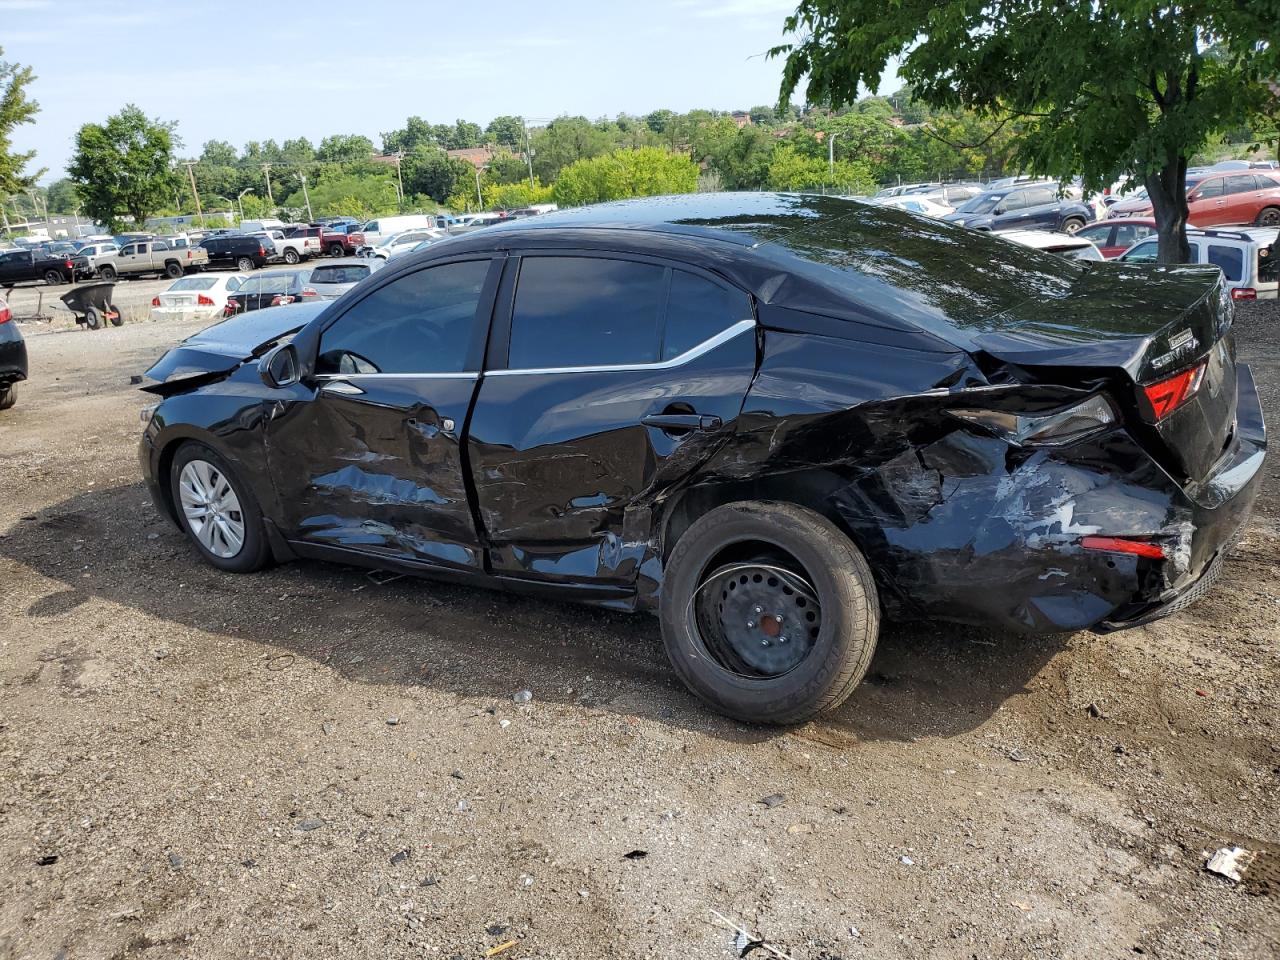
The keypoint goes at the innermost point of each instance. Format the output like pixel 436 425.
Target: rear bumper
pixel 13 357
pixel 186 313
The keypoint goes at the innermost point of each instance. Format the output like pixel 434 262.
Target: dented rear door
pixel 372 460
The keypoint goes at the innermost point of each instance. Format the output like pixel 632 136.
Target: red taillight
pixel 155 301
pixel 1244 293
pixel 309 292
pixel 1167 395
pixel 5 314
pixel 262 252
pixel 69 265
pixel 189 254
pixel 203 301
pixel 1139 548
pixel 231 307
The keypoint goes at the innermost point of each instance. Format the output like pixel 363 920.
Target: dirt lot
pixel 304 763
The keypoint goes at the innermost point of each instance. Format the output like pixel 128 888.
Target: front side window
pixel 594 311
pixel 1130 233
pixel 419 323
pixel 1100 235
pixel 1014 201
pixel 1209 188
pixel 1230 259
pixel 1144 252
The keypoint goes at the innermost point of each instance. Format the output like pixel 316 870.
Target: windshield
pixel 983 203
pixel 194 283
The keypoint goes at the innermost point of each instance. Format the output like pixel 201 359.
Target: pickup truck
pixel 19 265
pixel 338 241
pixel 311 236
pixel 290 250
pixel 152 256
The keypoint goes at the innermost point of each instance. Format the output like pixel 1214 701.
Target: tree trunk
pixel 1168 192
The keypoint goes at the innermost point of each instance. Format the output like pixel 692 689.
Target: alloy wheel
pixel 211 508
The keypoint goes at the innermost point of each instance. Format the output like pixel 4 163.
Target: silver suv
pixel 1247 257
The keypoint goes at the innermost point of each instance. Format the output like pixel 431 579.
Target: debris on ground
pixel 500 948
pixel 524 696
pixel 1231 862
pixel 635 855
pixel 744 941
pixel 773 799
pixel 309 824
pixel 401 857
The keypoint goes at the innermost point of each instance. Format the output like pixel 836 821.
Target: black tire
pixel 843 587
pixel 173 270
pixel 107 273
pixel 336 250
pixel 118 319
pixel 244 264
pixel 1072 225
pixel 8 396
pixel 93 318
pixel 291 256
pixel 255 552
pixel 1268 217
pixel 54 277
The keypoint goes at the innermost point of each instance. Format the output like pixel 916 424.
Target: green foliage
pixel 1128 88
pixel 740 157
pixel 15 109
pixel 340 148
pixel 124 166
pixel 507 168
pixel 512 196
pixel 791 170
pixel 346 195
pixel 506 132
pixel 61 197
pixel 430 171
pixel 564 141
pixel 218 153
pixel 648 171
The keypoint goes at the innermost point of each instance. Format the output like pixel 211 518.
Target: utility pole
pixel 479 195
pixel 528 152
pixel 240 201
pixel 194 192
pixel 306 196
pixel 831 153
pixel 399 178
pixel 266 172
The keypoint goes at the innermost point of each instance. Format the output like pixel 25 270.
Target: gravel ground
pixel 306 763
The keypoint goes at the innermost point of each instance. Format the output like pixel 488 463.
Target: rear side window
pixel 1243 183
pixel 419 323
pixel 1230 259
pixel 1041 196
pixel 342 273
pixel 1130 233
pixel 588 311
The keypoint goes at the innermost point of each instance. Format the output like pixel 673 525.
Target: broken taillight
pixel 1051 429
pixel 1139 548
pixel 1170 393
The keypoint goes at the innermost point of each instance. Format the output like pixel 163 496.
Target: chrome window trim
pixel 464 375
pixel 724 336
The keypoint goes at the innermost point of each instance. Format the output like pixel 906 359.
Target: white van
pixel 375 231
pixel 258 226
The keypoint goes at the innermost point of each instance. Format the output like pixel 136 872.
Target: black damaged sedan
pixel 768 419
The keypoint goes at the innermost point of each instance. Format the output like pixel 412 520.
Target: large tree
pixel 1119 88
pixel 124 166
pixel 646 172
pixel 15 109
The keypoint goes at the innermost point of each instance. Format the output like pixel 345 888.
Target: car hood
pixel 219 349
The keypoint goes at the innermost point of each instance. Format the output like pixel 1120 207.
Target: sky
pixel 257 71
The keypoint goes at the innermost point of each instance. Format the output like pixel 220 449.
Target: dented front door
pixel 372 460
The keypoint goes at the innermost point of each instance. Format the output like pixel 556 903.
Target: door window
pixel 1144 252
pixel 1241 184
pixel 419 323
pixel 1230 259
pixel 697 310
pixel 1041 196
pixel 128 251
pixel 1100 235
pixel 1128 234
pixel 1014 201
pixel 1209 188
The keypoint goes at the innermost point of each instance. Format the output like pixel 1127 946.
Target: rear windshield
pixel 1230 259
pixel 278 283
pixel 340 273
pixel 194 283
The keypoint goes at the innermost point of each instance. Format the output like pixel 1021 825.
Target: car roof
pixel 1045 239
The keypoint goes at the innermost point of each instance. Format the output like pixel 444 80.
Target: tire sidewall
pixel 244 263
pixel 841 638
pixel 253 552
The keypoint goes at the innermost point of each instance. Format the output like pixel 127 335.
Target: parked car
pixel 312 238
pixel 196 298
pixel 273 288
pixel 913 203
pixel 766 418
pixel 1221 200
pixel 17 266
pixel 13 357
pixel 1063 244
pixel 952 195
pixel 258 226
pixel 401 243
pixel 1021 207
pixel 1114 237
pixel 1246 258
pixel 343 240
pixel 85 261
pixel 333 278
pixel 151 257
pixel 290 250
pixel 375 231
pixel 245 253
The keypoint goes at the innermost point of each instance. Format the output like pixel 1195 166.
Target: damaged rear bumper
pixel 971 530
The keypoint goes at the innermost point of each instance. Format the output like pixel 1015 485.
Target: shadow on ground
pixel 926 679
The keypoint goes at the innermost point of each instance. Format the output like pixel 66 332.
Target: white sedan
pixel 199 297
pixel 920 205
pixel 402 242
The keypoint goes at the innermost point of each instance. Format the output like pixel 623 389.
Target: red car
pixel 1114 237
pixel 1234 197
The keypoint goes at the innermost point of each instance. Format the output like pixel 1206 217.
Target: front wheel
pixel 1269 217
pixel 8 396
pixel 291 256
pixel 217 510
pixel 244 264
pixel 1073 226
pixel 107 273
pixel 769 612
pixel 173 270
pixel 54 277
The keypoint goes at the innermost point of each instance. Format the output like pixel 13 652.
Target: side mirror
pixel 279 367
pixel 998 211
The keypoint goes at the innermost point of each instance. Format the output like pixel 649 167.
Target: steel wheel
pixel 211 508
pixel 757 619
pixel 291 256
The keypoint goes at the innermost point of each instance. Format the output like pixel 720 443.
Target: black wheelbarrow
pixel 91 303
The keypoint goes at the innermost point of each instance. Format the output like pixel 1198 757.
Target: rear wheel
pixel 107 272
pixel 115 315
pixel 244 263
pixel 173 269
pixel 336 250
pixel 769 612
pixel 8 396
pixel 291 256
pixel 1073 225
pixel 54 277
pixel 1269 217
pixel 93 318
pixel 217 510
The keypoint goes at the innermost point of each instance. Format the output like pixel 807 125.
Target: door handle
pixel 688 422
pixel 341 387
